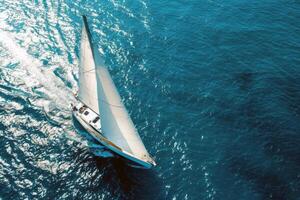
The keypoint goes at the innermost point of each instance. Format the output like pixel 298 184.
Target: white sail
pixel 87 76
pixel 116 123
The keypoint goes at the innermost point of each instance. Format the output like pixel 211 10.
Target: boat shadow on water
pixel 133 183
pixel 116 176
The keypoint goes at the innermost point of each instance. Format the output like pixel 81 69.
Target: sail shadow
pixel 127 182
pixel 114 177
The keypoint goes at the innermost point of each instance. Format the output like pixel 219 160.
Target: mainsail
pixel 87 76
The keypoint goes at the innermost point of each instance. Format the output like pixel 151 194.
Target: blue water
pixel 212 86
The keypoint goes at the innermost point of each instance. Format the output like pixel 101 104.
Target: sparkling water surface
pixel 213 88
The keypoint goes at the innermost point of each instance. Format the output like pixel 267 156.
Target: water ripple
pixel 212 87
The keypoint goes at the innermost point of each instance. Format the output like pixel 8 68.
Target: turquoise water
pixel 212 86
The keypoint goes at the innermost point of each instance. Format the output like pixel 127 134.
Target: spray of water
pixel 53 87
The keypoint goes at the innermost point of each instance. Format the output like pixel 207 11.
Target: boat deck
pixel 91 122
pixel 88 115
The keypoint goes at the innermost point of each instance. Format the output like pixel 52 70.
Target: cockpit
pixel 82 109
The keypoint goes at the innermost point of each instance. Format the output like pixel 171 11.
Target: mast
pixel 87 76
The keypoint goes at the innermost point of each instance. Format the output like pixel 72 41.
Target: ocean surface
pixel 213 88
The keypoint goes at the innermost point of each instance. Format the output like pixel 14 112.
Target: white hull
pixel 95 132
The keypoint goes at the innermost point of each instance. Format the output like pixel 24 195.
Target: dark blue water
pixel 212 86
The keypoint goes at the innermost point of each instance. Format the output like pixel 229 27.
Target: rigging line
pixel 88 71
pixel 111 104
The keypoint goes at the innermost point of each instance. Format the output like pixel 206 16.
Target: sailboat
pixel 100 110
